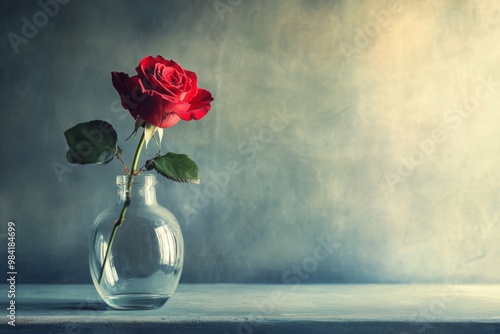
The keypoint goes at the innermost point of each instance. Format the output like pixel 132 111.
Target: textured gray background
pixel 381 134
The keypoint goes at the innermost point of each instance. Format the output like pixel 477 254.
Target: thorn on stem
pixel 116 221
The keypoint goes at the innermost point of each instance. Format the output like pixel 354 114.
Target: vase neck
pixel 140 189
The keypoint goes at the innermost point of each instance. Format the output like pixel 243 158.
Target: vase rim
pixel 143 179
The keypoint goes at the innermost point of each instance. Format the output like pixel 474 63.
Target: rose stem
pixel 125 205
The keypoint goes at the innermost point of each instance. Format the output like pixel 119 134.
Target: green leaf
pixel 93 142
pixel 176 167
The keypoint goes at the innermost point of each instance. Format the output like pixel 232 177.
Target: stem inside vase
pixel 121 218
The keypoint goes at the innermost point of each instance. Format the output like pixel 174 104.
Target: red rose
pixel 162 93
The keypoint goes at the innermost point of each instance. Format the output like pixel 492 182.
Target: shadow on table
pixel 55 305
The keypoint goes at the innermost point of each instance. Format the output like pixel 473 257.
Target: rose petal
pixel 147 64
pixel 193 90
pixel 169 119
pixel 169 93
pixel 155 108
pixel 155 82
pixel 167 75
pixel 169 79
pixel 125 85
pixel 200 106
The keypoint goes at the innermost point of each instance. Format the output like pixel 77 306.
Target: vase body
pixel 144 263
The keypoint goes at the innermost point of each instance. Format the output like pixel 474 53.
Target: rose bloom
pixel 162 93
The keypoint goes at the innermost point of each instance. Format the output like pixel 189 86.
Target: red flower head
pixel 162 93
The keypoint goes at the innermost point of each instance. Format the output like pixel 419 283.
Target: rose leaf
pixel 93 142
pixel 176 167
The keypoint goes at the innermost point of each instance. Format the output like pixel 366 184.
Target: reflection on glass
pixel 167 244
pixel 110 274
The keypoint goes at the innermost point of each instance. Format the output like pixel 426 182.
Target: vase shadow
pixel 55 305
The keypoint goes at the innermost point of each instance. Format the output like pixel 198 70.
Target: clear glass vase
pixel 145 260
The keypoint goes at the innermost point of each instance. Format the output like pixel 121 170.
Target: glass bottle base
pixel 136 301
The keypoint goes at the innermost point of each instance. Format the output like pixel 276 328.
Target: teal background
pixel 367 128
